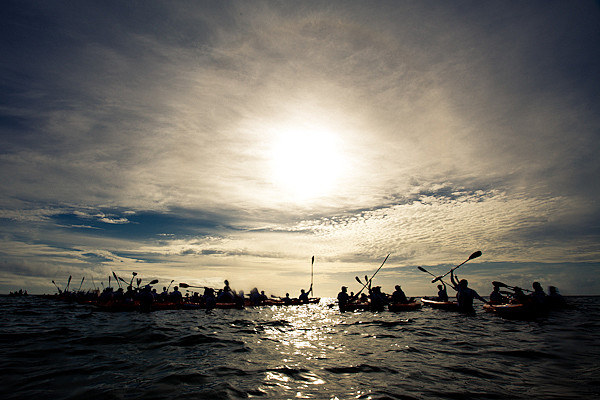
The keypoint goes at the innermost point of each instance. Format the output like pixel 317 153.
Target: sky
pixel 201 141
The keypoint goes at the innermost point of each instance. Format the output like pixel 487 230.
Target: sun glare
pixel 306 162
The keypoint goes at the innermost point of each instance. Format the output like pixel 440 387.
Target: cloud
pixel 145 135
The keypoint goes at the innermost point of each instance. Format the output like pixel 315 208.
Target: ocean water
pixel 56 350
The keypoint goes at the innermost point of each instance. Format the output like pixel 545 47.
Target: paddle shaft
pixel 59 291
pixel 369 281
pixel 472 256
pixel 311 275
pixel 185 285
pixel 424 270
pixel 133 275
pixel 509 287
pixel 116 279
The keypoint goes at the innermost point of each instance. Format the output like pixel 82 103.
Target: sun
pixel 306 162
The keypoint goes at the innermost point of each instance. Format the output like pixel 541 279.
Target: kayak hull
pixel 294 302
pixel 440 305
pixel 137 306
pixel 351 307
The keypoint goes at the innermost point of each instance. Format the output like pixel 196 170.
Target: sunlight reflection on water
pixel 309 351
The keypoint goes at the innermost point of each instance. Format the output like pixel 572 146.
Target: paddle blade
pixel 422 269
pixel 475 255
pixel 358 280
pixel 184 285
pixel 313 260
pixel 153 282
pixel 134 273
pixel 499 284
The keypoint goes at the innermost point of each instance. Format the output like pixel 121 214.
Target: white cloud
pixel 457 134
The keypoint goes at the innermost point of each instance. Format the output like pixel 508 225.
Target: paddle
pixel 472 256
pixel 152 282
pixel 68 283
pixel 116 279
pixel 368 282
pixel 133 275
pixel 81 284
pixel 59 291
pixel 500 284
pixel 185 285
pixel 168 287
pixel 311 275
pixel 424 270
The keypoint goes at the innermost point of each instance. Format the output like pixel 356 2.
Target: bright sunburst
pixel 306 162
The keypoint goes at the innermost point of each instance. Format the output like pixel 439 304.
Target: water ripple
pixel 65 351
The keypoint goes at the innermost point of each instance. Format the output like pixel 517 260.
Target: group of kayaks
pixel 505 310
pixel 117 306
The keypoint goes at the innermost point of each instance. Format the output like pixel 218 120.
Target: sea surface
pixel 56 350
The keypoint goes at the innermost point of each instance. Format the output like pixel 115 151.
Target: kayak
pixel 359 306
pixel 293 302
pixel 441 305
pixel 136 306
pixel 415 305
